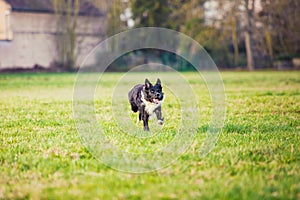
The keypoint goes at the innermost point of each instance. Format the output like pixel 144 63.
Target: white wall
pixel 34 39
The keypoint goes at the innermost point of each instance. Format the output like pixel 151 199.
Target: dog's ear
pixel 147 84
pixel 158 82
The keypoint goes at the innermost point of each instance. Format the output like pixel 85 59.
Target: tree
pixel 114 22
pixel 151 13
pixel 249 43
pixel 67 20
pixel 237 21
pixel 215 25
pixel 271 28
pixel 282 25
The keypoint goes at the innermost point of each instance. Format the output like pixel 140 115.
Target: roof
pixel 46 6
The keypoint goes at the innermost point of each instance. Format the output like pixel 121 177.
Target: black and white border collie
pixel 147 99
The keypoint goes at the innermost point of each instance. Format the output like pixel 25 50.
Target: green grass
pixel 257 155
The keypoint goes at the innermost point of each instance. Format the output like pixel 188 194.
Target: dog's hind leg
pixel 139 118
pixel 134 107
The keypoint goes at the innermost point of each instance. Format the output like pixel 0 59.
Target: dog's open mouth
pixel 156 101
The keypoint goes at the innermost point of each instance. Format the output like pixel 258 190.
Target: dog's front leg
pixel 145 118
pixel 160 119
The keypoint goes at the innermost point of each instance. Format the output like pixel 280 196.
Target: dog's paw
pixel 160 122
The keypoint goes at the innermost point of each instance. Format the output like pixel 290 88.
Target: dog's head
pixel 152 93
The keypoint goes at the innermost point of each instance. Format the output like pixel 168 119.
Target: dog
pixel 147 100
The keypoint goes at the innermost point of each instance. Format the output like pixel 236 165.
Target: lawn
pixel 257 154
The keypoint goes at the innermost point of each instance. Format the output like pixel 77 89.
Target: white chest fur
pixel 150 106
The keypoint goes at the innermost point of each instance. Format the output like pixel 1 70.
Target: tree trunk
pixel 249 35
pixel 235 41
pixel 248 43
pixel 66 26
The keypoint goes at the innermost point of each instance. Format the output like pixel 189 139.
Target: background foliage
pixel 238 33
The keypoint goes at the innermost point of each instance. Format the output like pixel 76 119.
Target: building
pixel 32 32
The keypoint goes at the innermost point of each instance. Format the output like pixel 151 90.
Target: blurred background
pixel 56 35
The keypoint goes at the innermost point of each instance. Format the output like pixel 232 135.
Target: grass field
pixel 257 155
